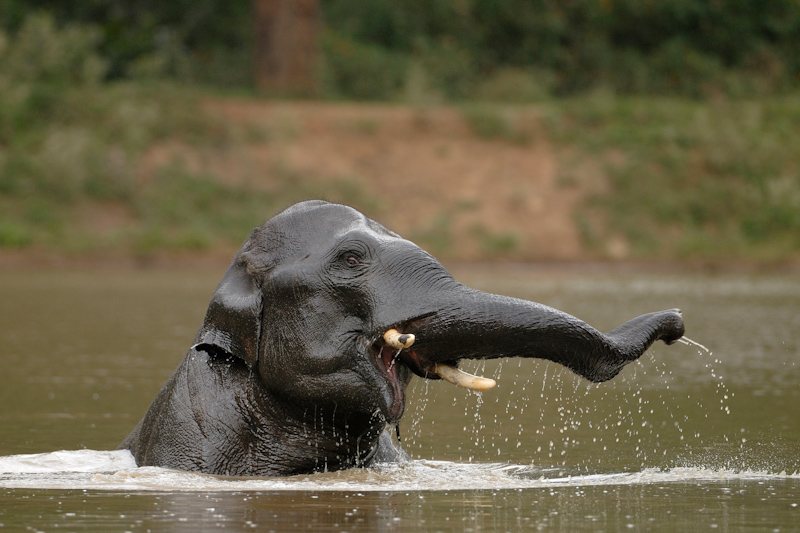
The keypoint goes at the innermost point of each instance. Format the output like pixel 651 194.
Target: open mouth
pixel 393 357
pixel 386 360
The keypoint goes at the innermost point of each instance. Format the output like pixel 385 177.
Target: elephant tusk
pixel 398 340
pixel 462 379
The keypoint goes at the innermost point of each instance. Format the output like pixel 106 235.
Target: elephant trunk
pixel 471 324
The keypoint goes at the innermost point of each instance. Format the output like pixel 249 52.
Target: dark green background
pixel 685 47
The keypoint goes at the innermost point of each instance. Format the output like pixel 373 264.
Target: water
pixel 683 439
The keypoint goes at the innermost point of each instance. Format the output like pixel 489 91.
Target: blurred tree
pixel 286 48
pixel 378 48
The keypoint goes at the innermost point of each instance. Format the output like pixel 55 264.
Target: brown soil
pixel 421 172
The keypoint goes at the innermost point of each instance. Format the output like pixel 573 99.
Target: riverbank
pixel 150 175
pixel 218 260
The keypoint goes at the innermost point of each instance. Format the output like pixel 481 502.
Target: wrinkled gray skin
pixel 289 373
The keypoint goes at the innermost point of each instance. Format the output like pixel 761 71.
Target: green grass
pixel 83 146
pixel 71 145
pixel 495 122
pixel 689 179
pixel 681 179
pixel 81 151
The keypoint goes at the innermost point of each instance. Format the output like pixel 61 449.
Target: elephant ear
pixel 233 320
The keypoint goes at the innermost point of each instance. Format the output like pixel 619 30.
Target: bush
pixel 41 67
pixel 697 179
pixel 40 53
pixel 38 65
pixel 66 137
pixel 362 71
pixel 690 47
pixel 683 47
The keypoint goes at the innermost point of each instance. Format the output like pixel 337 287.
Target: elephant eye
pixel 351 255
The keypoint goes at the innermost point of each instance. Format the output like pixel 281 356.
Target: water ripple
pixel 116 470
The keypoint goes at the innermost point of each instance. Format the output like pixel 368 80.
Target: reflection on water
pixel 682 439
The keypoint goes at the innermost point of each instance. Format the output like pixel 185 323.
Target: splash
pixel 116 470
pixel 689 342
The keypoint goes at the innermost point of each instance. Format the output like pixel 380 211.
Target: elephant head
pixel 316 329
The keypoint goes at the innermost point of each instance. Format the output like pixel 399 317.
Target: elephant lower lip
pixel 388 364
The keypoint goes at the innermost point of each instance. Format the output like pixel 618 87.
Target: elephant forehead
pixel 304 212
pixel 320 224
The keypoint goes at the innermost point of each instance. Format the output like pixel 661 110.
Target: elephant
pixel 314 332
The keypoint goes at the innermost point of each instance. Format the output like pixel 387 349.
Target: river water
pixel 687 438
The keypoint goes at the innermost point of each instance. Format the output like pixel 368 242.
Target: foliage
pixel 68 141
pixel 686 177
pixel 690 179
pixel 490 121
pixel 458 49
pixel 687 47
pixel 361 71
pixel 71 145
pixel 183 39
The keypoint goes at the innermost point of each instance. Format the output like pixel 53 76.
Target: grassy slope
pixel 660 178
pixel 715 180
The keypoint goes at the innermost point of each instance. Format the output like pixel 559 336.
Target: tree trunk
pixel 286 46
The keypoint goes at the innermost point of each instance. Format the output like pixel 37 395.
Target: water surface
pixel 681 439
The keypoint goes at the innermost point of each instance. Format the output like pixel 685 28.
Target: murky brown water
pixel 681 440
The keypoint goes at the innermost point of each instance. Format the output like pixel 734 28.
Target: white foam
pixel 67 461
pixel 116 470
